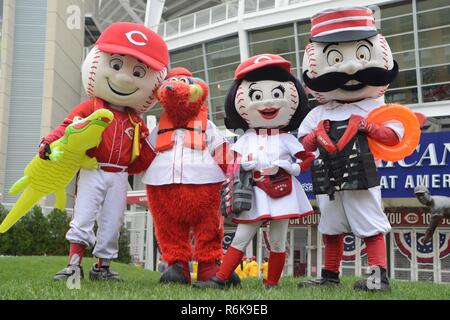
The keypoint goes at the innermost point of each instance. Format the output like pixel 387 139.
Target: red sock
pixel 376 250
pixel 78 249
pixel 276 265
pixel 231 260
pixel 103 263
pixel 334 250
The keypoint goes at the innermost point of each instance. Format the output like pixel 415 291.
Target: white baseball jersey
pixel 182 164
pixel 265 149
pixel 357 211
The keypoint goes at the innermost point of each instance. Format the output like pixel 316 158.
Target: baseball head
pixel 347 59
pixel 126 66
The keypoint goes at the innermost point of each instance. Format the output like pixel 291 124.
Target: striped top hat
pixel 343 25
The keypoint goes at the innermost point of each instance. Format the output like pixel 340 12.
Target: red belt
pixel 113 169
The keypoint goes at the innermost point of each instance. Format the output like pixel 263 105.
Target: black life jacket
pixel 353 168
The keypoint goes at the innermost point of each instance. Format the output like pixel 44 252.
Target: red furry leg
pixel 171 233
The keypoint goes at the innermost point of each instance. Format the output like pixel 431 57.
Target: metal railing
pixel 225 12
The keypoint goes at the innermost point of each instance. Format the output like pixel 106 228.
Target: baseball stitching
pixel 92 73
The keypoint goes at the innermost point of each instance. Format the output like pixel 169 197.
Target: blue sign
pixel 428 165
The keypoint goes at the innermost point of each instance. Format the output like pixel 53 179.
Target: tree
pixel 58 225
pixel 39 227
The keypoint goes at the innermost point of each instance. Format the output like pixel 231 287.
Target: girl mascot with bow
pixel 263 104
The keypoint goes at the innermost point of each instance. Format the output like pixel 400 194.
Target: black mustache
pixel 377 77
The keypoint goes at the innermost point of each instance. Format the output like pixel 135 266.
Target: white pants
pixel 278 233
pixel 357 211
pixel 101 195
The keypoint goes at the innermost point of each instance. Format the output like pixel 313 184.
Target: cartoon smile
pixel 269 113
pixel 119 92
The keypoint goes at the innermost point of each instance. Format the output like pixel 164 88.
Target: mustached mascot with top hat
pixel 347 67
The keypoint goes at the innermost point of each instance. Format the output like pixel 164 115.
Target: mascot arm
pixel 380 133
pixel 306 158
pixel 144 160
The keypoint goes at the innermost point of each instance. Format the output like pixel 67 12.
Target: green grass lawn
pixel 31 278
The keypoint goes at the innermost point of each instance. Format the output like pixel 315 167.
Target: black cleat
pixel 103 274
pixel 68 271
pixel 329 279
pixel 376 281
pixel 174 274
pixel 213 283
pixel 235 280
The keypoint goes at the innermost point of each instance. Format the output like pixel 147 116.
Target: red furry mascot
pixel 184 180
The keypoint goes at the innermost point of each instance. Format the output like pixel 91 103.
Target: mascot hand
pixel 248 165
pixel 379 132
pixel 291 168
pixel 44 150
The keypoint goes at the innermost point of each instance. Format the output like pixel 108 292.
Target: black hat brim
pixel 345 36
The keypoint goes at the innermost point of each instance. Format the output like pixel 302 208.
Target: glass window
pixel 401 43
pixel 405 79
pixel 397 25
pixel 220 88
pixel 266 4
pixel 396 9
pixel 433 18
pixel 434 37
pixel 436 93
pixel 199 74
pixel 436 74
pixel 218 13
pixel 434 56
pixel 404 96
pixel 202 18
pixel 223 57
pixel 221 73
pixel 273 46
pixel 291 58
pixel 405 60
pixel 187 53
pixel 187 23
pixel 217 104
pixel 303 41
pixel 222 44
pixel 218 119
pixel 193 65
pixel 427 4
pixel 272 33
pixel 304 27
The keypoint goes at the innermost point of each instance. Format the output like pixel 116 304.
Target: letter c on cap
pixel 130 34
pixel 257 60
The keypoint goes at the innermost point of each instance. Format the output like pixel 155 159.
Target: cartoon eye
pixel 185 80
pixel 172 79
pixel 116 64
pixel 77 119
pixel 363 53
pixel 334 57
pixel 278 92
pixel 255 95
pixel 138 71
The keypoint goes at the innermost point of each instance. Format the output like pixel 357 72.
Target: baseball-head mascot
pixel 121 73
pixel 347 67
pixel 184 180
pixel 264 102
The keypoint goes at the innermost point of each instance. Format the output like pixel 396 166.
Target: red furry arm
pixel 146 155
pixel 307 158
pixel 143 161
pixel 380 133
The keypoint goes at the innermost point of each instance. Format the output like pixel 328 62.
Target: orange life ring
pixel 411 136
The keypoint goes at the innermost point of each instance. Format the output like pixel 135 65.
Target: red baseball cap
pixel 135 40
pixel 261 61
